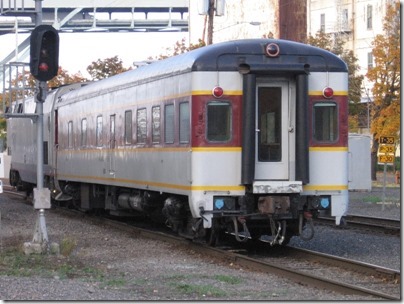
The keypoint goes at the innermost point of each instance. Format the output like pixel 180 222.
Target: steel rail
pixel 384 225
pixel 358 266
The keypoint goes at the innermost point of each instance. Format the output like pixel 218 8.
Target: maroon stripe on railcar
pixel 322 131
pixel 199 120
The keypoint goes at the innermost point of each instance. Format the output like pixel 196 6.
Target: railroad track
pixel 301 266
pixel 374 275
pixel 377 224
pixel 339 274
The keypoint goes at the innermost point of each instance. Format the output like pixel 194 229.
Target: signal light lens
pixel 328 92
pixel 217 92
pixel 43 67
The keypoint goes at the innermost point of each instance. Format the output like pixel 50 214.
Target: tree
pixel 180 48
pixel 63 77
pixel 386 77
pixel 336 46
pixel 108 67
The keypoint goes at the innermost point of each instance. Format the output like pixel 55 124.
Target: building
pixel 358 22
pixel 239 19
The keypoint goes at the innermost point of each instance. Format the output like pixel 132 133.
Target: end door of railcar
pixel 275 139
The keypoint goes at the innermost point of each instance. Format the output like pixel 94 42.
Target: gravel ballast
pixel 107 264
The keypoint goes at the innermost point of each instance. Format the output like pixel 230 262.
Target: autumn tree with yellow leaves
pixel 385 110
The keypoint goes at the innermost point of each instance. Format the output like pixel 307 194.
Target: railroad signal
pixel 44 60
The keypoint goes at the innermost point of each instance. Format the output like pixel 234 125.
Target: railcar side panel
pixel 329 141
pixel 141 163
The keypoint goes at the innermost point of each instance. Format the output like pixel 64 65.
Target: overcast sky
pixel 78 50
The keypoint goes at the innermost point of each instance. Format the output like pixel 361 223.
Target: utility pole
pixel 211 14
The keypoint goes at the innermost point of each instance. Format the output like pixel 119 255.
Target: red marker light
pixel 43 67
pixel 328 92
pixel 272 50
pixel 217 92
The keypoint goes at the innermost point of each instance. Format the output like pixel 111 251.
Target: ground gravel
pixel 107 264
pixel 378 249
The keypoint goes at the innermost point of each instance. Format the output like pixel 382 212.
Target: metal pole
pixel 38 12
pixel 384 185
pixel 41 195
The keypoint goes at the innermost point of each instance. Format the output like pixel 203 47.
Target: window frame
pixel 99 130
pixel 141 137
pixel 322 104
pixel 230 120
pixel 83 138
pixel 369 17
pixel 170 120
pixel 70 139
pixel 156 125
pixel 184 121
pixel 128 132
pixel 322 22
pixel 370 60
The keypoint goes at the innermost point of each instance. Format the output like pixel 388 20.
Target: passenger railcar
pixel 247 137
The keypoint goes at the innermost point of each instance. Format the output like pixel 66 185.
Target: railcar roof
pixel 225 56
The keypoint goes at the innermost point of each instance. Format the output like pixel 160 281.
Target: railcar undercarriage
pixel 274 219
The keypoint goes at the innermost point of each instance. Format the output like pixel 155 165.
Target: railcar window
pixel 156 124
pixel 219 121
pixel 141 126
pixel 184 122
pixel 325 122
pixel 128 127
pixel 70 134
pixel 270 143
pixel 169 124
pixel 98 136
pixel 84 132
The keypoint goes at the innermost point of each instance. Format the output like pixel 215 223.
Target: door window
pixel 270 122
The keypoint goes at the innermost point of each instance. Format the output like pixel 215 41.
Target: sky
pixel 79 50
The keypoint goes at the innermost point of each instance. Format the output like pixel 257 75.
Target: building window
pixel 370 60
pixel 83 140
pixel 369 17
pixel 156 124
pixel 128 127
pixel 184 122
pixel 70 134
pixel 169 125
pixel 141 126
pixel 98 134
pixel 219 121
pixel 345 22
pixel 322 22
pixel 325 122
